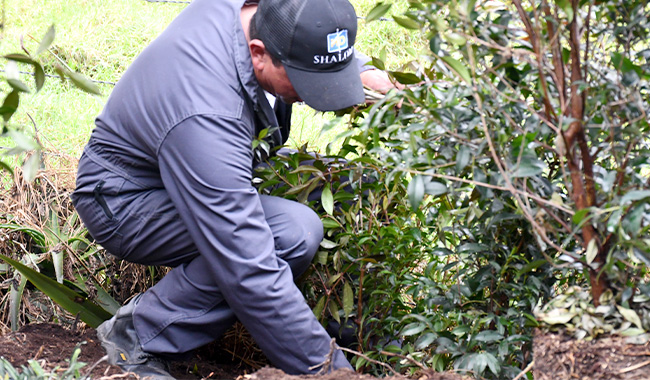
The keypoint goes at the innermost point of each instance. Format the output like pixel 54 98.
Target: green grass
pixel 101 38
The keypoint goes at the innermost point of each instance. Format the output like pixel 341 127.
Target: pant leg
pixel 146 228
pixel 185 310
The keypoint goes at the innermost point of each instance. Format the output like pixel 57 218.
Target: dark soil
pixel 558 356
pixel 52 345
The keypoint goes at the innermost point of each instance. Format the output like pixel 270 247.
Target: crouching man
pixel 166 179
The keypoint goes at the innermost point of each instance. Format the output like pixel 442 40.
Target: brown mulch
pixel 342 374
pixel 52 345
pixel 559 356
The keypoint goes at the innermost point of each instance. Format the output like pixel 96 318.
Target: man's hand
pixel 378 80
pixel 376 83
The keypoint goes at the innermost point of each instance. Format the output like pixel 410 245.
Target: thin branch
pixel 411 360
pixel 525 371
pixel 535 40
pixel 496 187
pixel 558 63
pixel 369 359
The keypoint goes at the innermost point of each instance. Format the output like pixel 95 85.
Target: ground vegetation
pixel 504 189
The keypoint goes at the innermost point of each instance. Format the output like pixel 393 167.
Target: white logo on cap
pixel 337 41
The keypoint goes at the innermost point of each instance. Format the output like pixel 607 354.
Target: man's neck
pixel 247 12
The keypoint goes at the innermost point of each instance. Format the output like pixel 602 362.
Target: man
pixel 166 179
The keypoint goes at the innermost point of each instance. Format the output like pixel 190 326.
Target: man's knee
pixel 297 230
pixel 313 232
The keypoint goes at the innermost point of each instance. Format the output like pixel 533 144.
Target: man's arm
pixel 205 163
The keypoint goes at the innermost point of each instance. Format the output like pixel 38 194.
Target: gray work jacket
pixel 198 68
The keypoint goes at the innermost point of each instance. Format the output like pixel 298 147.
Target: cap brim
pixel 328 90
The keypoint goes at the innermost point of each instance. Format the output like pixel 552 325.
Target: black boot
pixel 122 346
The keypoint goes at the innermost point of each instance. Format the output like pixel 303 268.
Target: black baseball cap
pixel 314 40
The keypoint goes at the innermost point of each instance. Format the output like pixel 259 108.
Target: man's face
pixel 274 79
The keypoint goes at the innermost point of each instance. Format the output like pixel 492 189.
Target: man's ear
pixel 258 54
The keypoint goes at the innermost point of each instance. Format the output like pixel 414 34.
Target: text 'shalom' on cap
pixel 314 40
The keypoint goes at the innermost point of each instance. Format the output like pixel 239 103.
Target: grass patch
pixel 101 39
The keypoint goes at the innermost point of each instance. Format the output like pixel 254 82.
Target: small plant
pixel 35 371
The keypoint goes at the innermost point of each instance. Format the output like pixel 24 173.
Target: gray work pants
pixel 186 309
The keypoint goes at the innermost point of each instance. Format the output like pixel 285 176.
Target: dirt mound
pixel 558 356
pixel 52 346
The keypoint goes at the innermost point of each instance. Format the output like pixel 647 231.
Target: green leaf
pixel 425 341
pixel 471 248
pixel 105 300
pixel 67 298
pixel 462 158
pixel 83 83
pixel 488 336
pixel 434 44
pixel 435 188
pixel 334 311
pixel 458 68
pixel 405 78
pixel 378 63
pixel 348 299
pixel 32 166
pixel 15 299
pixel 330 124
pixel 330 223
pixel 579 216
pixel 406 22
pixel 635 195
pixel 320 306
pixel 377 12
pixel 413 328
pixel 492 362
pixel 624 64
pixel 18 85
pixel 5 166
pixel 22 141
pixel 559 316
pixel 416 191
pixel 592 251
pixel 632 332
pixel 321 257
pixel 22 58
pixel 327 244
pixel 630 316
pixel 10 105
pixel 530 266
pixel 529 167
pixel 47 40
pixel 567 7
pixel 12 75
pixel 39 76
pixel 327 200
pixel 455 39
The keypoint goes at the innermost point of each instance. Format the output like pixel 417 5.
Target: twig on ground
pixel 92 367
pixel 368 359
pixel 125 375
pixel 413 361
pixel 525 371
pixel 326 366
pixel 634 367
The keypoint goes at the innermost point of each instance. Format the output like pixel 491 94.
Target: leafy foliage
pixel 513 166
pixel 34 371
pixel 23 143
pixel 511 170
